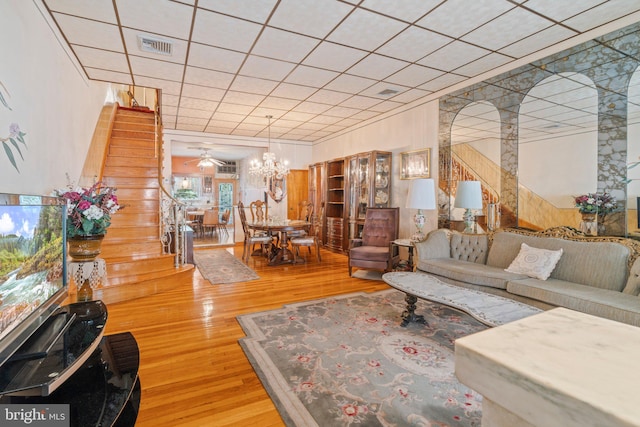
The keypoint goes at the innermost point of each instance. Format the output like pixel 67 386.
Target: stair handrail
pixel 172 213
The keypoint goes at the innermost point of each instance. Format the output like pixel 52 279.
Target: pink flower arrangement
pixel 89 210
pixel 597 203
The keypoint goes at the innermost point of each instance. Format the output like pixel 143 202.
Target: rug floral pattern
pixel 346 361
pixel 218 266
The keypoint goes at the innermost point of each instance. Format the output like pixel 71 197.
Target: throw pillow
pixel 535 262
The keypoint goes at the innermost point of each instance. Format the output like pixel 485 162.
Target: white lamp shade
pixel 422 194
pixel 468 195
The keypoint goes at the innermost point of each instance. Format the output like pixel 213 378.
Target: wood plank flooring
pixel 192 369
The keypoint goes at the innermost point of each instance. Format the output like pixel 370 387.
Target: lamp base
pixel 469 221
pixel 419 221
pixel 418 236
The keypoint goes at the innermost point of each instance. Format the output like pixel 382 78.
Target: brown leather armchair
pixel 373 250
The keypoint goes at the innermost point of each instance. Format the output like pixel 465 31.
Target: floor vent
pixel 154 45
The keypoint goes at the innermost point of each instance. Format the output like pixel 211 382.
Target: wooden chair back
pixel 257 211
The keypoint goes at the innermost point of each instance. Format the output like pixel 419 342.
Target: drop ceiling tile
pixel 219 129
pixel 366 30
pixel 365 115
pixel 250 126
pixel 185 120
pixel 449 17
pixel 385 106
pixel 602 14
pixel 360 102
pixel 486 63
pixel 547 37
pixel 199 104
pixel 413 75
pixel 257 66
pixel 169 121
pixel 321 134
pixel 156 69
pixel 283 45
pixel 224 31
pixel 169 111
pixel 298 116
pixel 298 133
pixel 209 93
pixel 108 76
pixel 170 100
pixel 442 82
pixel 312 126
pixel 284 124
pixel 312 107
pixel 279 103
pixel 349 84
pixel 330 97
pixel 90 33
pixel 241 132
pixel 204 77
pixel 335 128
pixel 193 113
pixel 410 95
pixel 377 67
pixel 413 44
pixel 253 10
pixel 310 76
pixel 264 112
pixel 348 122
pixel 227 117
pixel 453 55
pixel 168 87
pixel 288 90
pixel 214 58
pixel 226 107
pixel 334 56
pixel 172 19
pixel 559 11
pixel 325 120
pixel 97 10
pixel 407 10
pixel 341 111
pixel 223 123
pixel 243 98
pixel 506 29
pixel 193 128
pixel 104 59
pixel 253 85
pixel 309 16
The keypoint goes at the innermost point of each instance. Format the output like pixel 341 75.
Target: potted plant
pixel 89 213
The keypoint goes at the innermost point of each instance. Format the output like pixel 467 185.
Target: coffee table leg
pixel 409 315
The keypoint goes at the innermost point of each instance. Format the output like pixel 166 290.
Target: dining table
pixel 282 254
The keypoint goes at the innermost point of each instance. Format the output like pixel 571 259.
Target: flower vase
pixel 589 224
pixel 602 229
pixel 85 248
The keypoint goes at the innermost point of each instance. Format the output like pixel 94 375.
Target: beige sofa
pixel 595 275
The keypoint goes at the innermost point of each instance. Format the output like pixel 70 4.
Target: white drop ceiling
pixel 317 66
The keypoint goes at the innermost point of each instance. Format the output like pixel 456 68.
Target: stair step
pixel 132 134
pixel 134 126
pixel 138 194
pixel 131 182
pixel 130 161
pixel 141 248
pixel 130 171
pixel 128 151
pixel 123 141
pixel 119 233
pixel 119 267
pixel 116 291
pixel 126 217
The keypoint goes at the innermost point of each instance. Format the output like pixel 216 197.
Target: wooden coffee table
pixel 492 310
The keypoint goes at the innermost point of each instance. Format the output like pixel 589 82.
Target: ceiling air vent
pixel 388 92
pixel 155 45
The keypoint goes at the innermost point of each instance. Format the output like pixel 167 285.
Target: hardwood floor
pixel 192 369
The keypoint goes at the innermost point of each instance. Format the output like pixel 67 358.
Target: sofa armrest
pixel 436 245
pixel 633 282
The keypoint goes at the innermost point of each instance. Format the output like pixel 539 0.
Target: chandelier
pixel 269 167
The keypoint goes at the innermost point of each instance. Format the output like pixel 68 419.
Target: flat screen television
pixel 33 276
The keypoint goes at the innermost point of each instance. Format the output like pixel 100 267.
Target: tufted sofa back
pixel 380 226
pixel 470 247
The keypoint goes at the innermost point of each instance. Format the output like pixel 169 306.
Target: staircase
pixel 136 265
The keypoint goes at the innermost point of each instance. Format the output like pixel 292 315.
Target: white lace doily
pixel 93 271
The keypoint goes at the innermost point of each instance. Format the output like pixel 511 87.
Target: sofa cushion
pixel 535 262
pixel 470 247
pixel 470 272
pixel 598 264
pixel 370 253
pixel 587 299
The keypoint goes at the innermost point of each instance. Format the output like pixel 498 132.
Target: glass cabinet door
pixel 354 187
pixel 382 180
pixel 363 180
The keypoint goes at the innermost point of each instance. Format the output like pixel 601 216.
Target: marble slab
pixel 558 368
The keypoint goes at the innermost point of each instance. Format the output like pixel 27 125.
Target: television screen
pixel 32 265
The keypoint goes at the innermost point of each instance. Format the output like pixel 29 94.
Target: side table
pixel 405 243
pixel 87 275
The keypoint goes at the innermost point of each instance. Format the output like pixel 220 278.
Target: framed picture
pixel 415 164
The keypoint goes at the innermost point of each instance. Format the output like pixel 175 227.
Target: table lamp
pixel 468 196
pixel 421 195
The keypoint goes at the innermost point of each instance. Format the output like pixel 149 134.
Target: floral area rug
pixel 218 266
pixel 346 361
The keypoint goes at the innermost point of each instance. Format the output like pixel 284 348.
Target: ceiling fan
pixel 205 160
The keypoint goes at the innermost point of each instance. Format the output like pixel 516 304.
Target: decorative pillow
pixel 535 262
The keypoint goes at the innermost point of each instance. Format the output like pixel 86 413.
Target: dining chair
pixel 210 221
pixel 251 239
pixel 312 238
pixel 305 213
pixel 224 220
pixel 193 221
pixel 374 249
pixel 257 209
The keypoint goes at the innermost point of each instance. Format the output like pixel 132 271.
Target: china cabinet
pixel 335 205
pixel 369 185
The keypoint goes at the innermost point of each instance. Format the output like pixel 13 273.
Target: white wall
pixel 50 100
pixel 413 129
